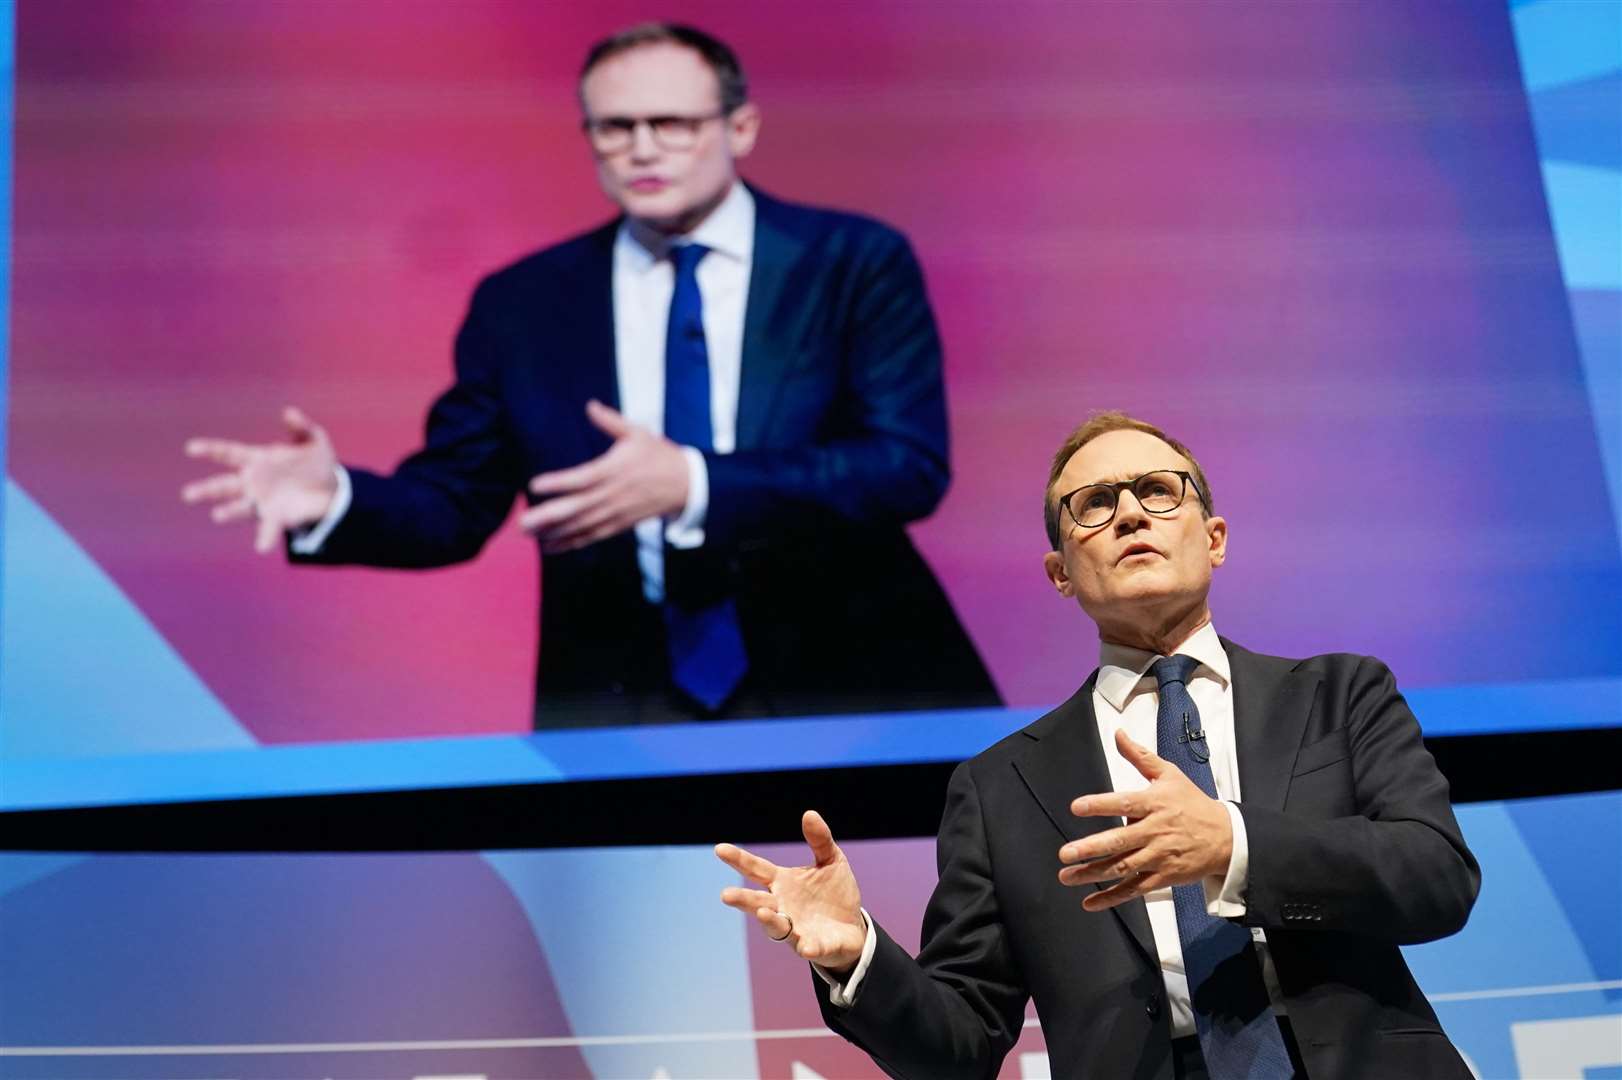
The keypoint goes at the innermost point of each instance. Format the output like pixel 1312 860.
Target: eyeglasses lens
pixel 1156 492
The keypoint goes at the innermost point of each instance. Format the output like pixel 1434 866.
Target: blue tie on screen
pixel 707 658
pixel 1239 1034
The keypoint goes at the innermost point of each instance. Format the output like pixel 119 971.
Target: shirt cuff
pixel 1225 896
pixel 843 994
pixel 687 530
pixel 308 541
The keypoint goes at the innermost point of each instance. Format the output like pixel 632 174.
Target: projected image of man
pixel 722 409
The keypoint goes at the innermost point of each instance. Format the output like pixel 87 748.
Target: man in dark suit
pixel 711 403
pixel 1244 886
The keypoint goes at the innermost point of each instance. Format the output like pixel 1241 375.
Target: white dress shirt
pixel 643 281
pixel 1125 696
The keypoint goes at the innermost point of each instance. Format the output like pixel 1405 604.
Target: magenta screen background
pixel 1310 240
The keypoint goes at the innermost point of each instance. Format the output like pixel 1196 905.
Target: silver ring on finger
pixel 790 922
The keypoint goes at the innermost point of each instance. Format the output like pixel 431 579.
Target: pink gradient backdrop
pixel 1308 239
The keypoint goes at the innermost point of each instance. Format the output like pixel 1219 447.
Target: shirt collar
pixel 1121 668
pixel 728 230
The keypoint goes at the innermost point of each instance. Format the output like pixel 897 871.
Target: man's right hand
pixel 284 485
pixel 817 909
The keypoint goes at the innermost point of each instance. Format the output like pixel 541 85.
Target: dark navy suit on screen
pixel 1354 850
pixel 841 440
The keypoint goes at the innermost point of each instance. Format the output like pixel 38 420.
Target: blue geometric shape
pixel 1523 956
pixel 1585 205
pixel 1578 122
pixel 1519 934
pixel 673 750
pixel 59 608
pixel 1545 705
pixel 166 949
pixel 602 915
pixel 1571 65
pixel 310 769
pixel 20 869
pixel 1564 41
pixel 1577 842
pixel 1597 316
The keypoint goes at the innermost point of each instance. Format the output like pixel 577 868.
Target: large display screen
pixel 624 963
pixel 1361 258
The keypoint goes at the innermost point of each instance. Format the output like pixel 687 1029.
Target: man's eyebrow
pixel 1122 478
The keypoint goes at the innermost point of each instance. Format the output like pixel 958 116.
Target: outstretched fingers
pixel 210 488
pixel 751 866
pixel 266 536
pixel 779 927
pixel 746 900
pixel 573 478
pixel 819 838
pixel 1129 888
pixel 300 425
pixel 235 510
pixel 227 452
pixel 1101 845
pixel 1141 758
pixel 609 421
pixel 560 517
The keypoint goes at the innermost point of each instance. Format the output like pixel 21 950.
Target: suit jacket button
pixel 1152 1006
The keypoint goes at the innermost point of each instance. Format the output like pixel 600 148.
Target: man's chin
pixel 1146 588
pixel 1146 574
pixel 662 211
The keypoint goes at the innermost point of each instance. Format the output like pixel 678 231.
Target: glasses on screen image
pixel 1159 492
pixel 615 134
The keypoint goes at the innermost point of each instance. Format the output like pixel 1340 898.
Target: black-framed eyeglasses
pixel 615 134
pixel 1158 492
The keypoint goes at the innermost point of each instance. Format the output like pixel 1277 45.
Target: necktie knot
pixel 1173 669
pixel 685 258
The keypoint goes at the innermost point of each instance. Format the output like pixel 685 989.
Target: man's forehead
pixel 657 77
pixel 1119 455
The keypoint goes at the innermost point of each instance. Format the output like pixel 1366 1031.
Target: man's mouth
pixel 1136 549
pixel 647 184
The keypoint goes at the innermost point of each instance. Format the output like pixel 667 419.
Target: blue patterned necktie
pixel 1239 1034
pixel 707 658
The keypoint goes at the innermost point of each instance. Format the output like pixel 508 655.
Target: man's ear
pixel 1216 530
pixel 1053 566
pixel 743 127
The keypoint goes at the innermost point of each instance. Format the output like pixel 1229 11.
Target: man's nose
pixel 644 147
pixel 1130 516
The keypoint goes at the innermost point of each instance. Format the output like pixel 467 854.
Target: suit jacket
pixel 1354 850
pixel 841 440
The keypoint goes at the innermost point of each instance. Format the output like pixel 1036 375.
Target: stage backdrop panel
pixel 623 962
pixel 1324 244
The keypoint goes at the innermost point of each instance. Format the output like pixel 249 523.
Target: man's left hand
pixel 1174 834
pixel 642 475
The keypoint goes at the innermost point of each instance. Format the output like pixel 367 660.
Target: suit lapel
pixel 575 321
pixel 766 356
pixel 591 314
pixel 1272 703
pixel 1063 761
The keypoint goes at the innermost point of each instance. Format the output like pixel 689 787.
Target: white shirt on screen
pixel 1125 696
pixel 643 282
